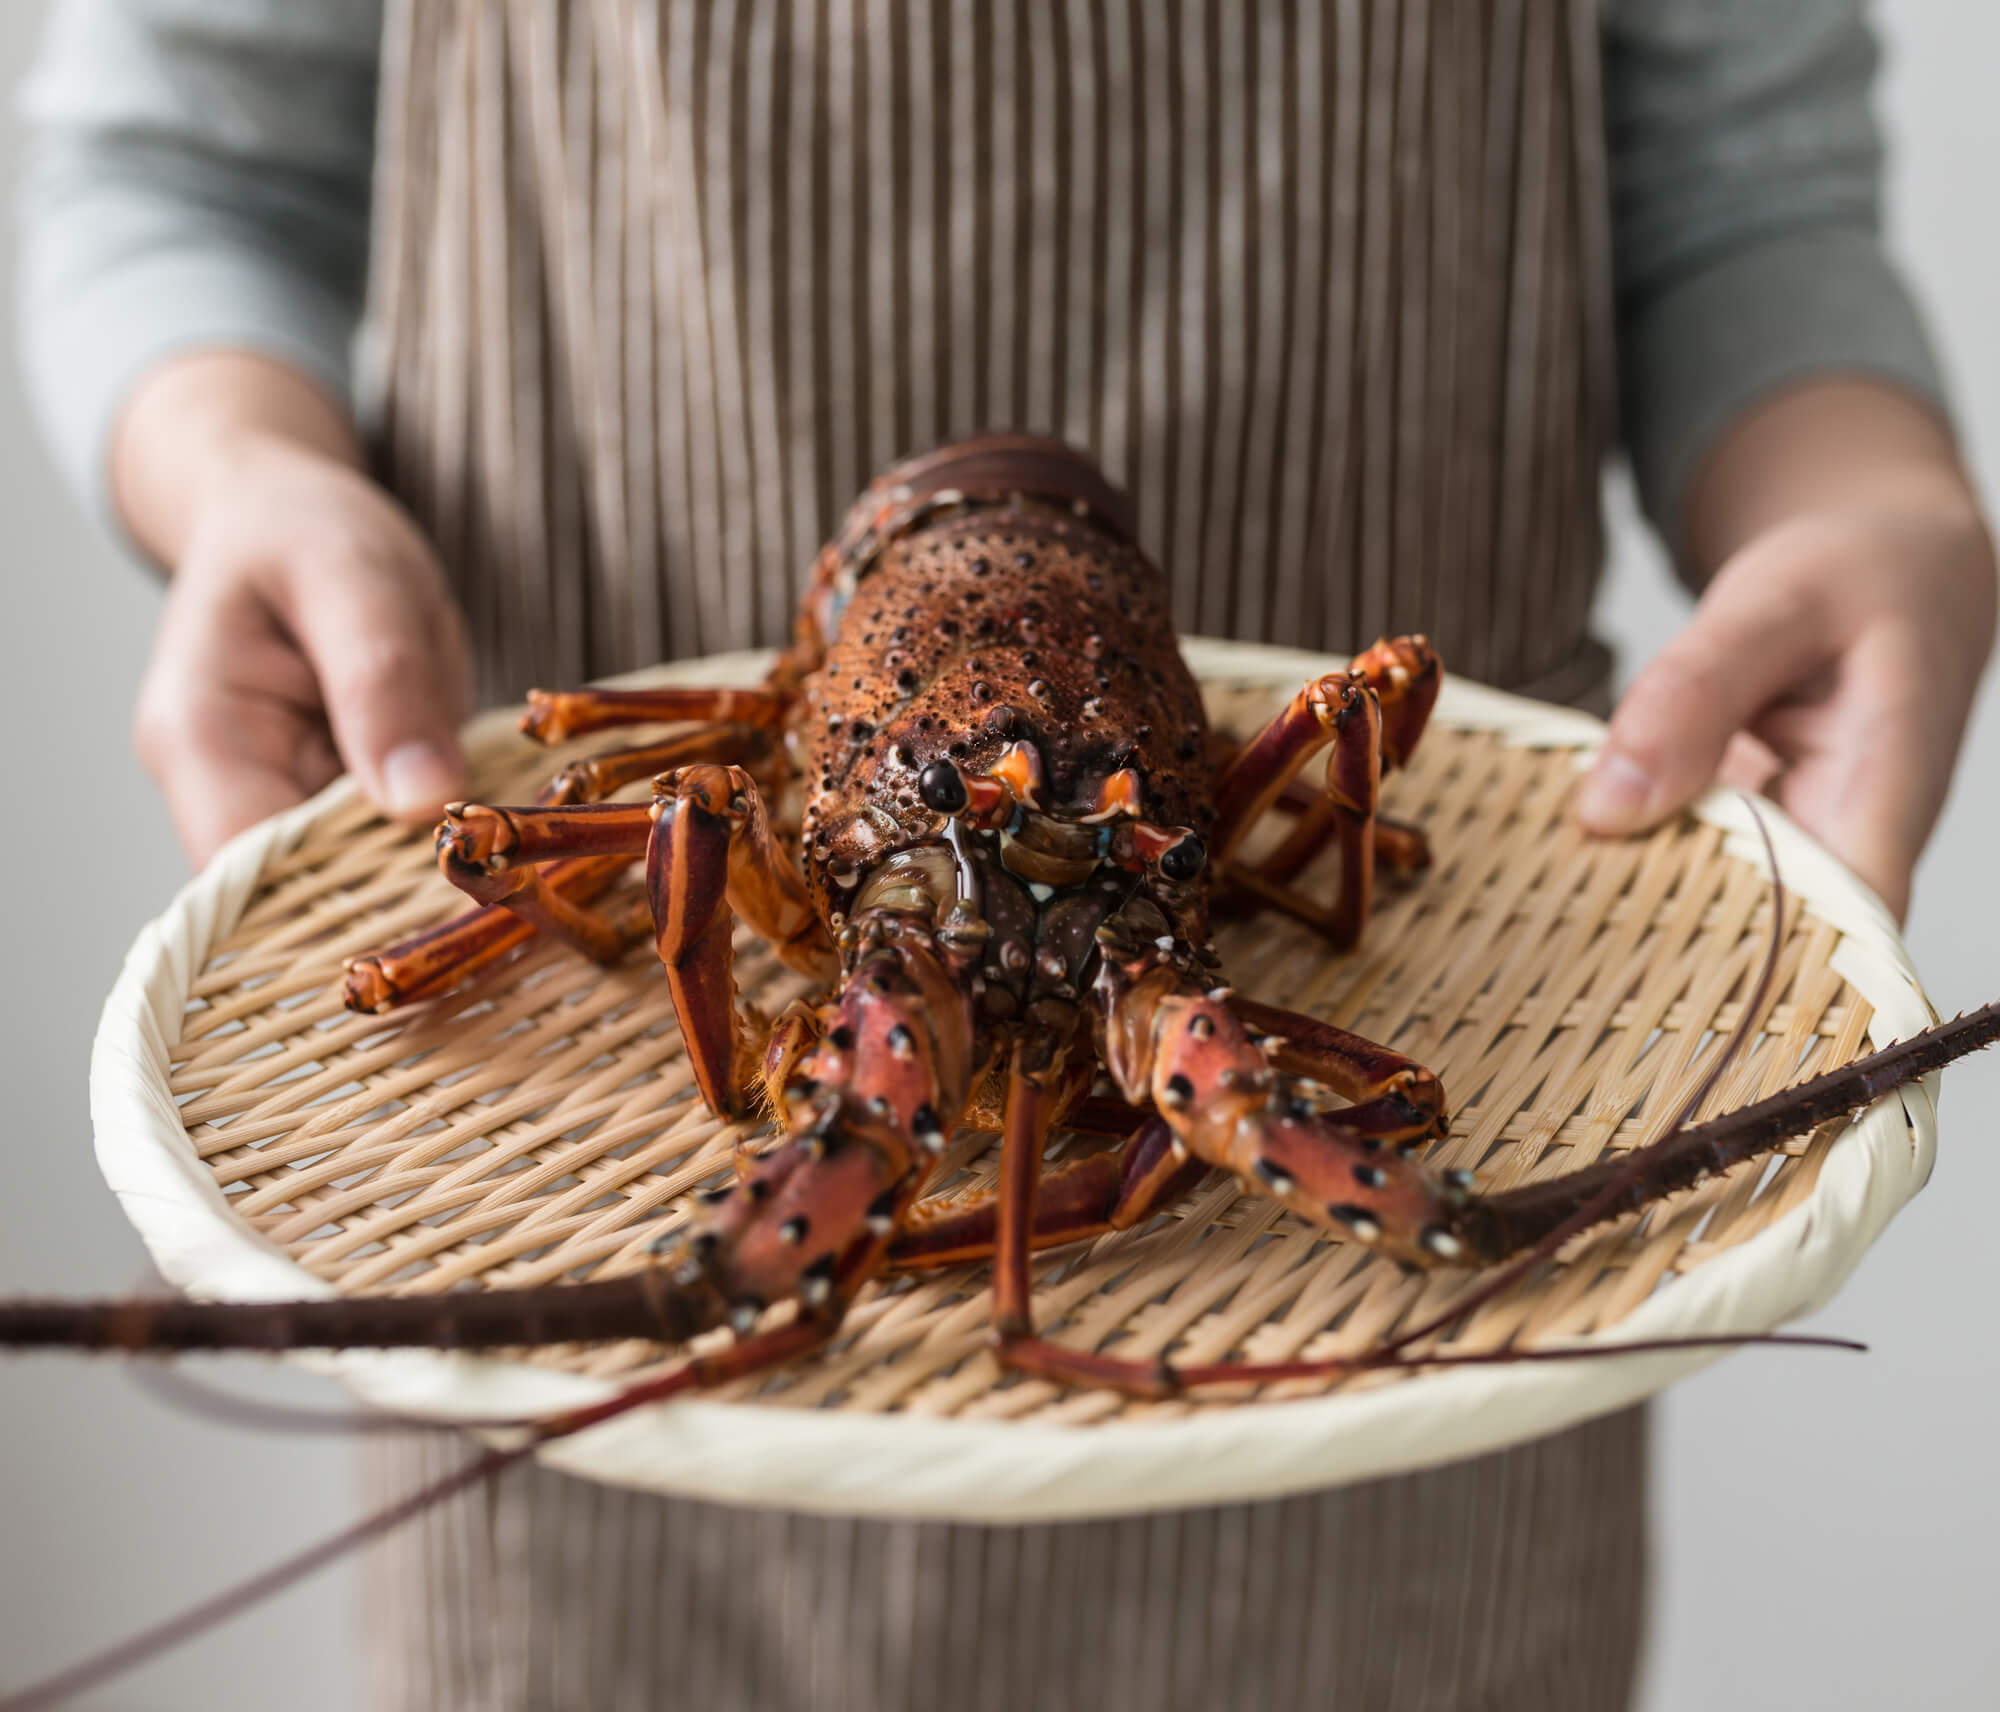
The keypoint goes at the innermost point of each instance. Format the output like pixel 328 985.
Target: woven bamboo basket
pixel 540 1124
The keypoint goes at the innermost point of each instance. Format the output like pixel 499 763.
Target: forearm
pixel 194 422
pixel 1834 444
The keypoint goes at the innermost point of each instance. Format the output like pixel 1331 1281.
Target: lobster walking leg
pixel 1408 1095
pixel 597 776
pixel 1013 1330
pixel 439 958
pixel 1030 1111
pixel 1089 1198
pixel 712 855
pixel 1399 846
pixel 1372 716
pixel 492 855
pixel 554 715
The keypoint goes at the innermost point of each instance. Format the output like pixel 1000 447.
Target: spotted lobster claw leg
pixel 1228 1102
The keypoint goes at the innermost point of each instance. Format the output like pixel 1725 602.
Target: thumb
pixel 1751 639
pixel 389 654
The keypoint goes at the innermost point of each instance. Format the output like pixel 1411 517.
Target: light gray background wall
pixel 1827 1523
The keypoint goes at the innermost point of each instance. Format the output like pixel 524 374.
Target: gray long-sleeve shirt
pixel 200 176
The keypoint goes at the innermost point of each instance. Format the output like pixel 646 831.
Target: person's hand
pixel 1834 656
pixel 307 626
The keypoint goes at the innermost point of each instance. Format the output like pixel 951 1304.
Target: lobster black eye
pixel 941 788
pixel 1182 860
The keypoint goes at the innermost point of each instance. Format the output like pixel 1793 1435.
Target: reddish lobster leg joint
pixel 490 855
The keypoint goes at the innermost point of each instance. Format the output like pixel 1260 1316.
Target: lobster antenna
pixel 205 1401
pixel 209 1402
pixel 1277 1372
pixel 1602 1203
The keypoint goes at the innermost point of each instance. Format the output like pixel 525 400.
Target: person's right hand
pixel 307 626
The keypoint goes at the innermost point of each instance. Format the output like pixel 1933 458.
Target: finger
pixel 1751 639
pixel 1872 768
pixel 224 709
pixel 386 648
pixel 316 763
pixel 1747 765
pixel 223 758
pixel 212 796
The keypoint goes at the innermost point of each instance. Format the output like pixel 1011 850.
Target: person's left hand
pixel 1832 663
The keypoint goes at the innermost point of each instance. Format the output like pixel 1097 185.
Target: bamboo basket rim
pixel 912 1464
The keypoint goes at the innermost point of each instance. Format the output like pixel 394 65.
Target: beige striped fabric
pixel 1511 1583
pixel 657 285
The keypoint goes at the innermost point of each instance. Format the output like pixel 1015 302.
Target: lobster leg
pixel 1029 1111
pixel 493 856
pixel 1106 1192
pixel 1372 716
pixel 597 776
pixel 1356 1068
pixel 1400 848
pixel 440 957
pixel 711 854
pixel 1168 1040
pixel 554 715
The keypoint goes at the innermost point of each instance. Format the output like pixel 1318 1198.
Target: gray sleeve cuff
pixel 90 340
pixel 1793 307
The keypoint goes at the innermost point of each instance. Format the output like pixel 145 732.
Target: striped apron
pixel 657 285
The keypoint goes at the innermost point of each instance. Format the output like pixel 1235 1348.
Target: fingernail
pixel 417 778
pixel 1614 797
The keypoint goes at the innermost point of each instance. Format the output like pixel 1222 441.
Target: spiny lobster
pixel 1012 809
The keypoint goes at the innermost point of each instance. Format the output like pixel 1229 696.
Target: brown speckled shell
pixel 976 627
